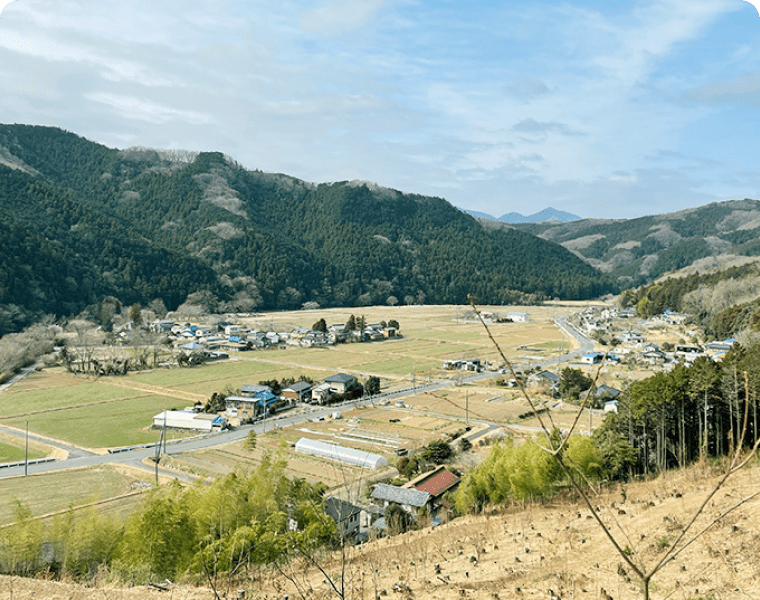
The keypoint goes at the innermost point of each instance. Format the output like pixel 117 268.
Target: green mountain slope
pixel 87 222
pixel 637 251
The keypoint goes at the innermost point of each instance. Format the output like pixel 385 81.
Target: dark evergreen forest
pixel 83 222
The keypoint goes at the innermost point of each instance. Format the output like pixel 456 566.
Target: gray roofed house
pixel 345 515
pixel 251 389
pixel 409 499
pixel 340 382
pixel 543 377
pixel 298 391
pixel 602 392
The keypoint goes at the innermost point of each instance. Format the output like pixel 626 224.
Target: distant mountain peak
pixel 542 216
pixel 548 214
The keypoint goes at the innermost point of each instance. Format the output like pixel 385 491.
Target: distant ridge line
pixel 542 216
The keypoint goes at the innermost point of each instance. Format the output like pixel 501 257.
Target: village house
pixel 232 330
pixel 653 357
pixel 592 358
pixel 518 317
pixel 437 483
pixel 321 393
pixel 252 390
pixel 542 378
pixel 410 500
pixel 374 332
pixel 243 409
pixel 340 383
pixel 472 365
pixel 723 346
pixel 345 514
pixel 189 419
pixel 297 392
pixel 257 339
pixel 337 333
pixel 162 326
pixel 602 393
pixel 632 337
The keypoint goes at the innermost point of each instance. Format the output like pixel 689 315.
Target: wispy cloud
pixel 339 16
pixel 742 90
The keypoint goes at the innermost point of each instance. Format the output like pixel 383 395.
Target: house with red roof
pixel 436 483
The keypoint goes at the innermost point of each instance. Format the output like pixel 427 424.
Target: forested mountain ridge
pixel 86 222
pixel 636 251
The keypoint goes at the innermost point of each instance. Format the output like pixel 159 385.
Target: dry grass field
pixel 49 493
pixel 57 403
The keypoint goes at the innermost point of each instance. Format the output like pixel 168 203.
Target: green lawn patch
pixel 21 403
pixel 10 453
pixel 108 425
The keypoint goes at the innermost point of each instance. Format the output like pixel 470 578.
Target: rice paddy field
pixel 55 492
pixel 117 411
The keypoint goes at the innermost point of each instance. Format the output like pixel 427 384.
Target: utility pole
pixel 26 451
pixel 161 440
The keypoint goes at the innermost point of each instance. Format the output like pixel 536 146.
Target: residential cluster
pixel 254 402
pixel 221 337
pixel 632 345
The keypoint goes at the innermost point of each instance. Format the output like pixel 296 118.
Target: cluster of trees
pixel 518 472
pixel 354 324
pixel 671 418
pixel 18 350
pixel 95 222
pixel 722 303
pixel 240 522
pixel 572 382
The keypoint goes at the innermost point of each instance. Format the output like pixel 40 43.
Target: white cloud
pixel 144 110
pixel 742 90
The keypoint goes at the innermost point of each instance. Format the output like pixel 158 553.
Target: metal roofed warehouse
pixel 349 456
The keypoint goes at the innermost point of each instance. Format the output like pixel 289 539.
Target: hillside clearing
pixel 522 551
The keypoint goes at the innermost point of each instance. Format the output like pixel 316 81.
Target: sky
pixel 602 109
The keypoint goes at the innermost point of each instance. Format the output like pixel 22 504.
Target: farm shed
pixel 518 317
pixel 350 456
pixel 187 419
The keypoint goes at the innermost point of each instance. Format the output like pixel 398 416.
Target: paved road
pixel 79 457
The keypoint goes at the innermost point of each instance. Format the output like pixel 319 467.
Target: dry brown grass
pixel 523 551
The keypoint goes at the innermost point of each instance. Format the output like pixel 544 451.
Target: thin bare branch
pixel 520 384
pixel 696 536
pixel 584 403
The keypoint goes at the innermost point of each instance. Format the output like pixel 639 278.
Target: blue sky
pixel 603 109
